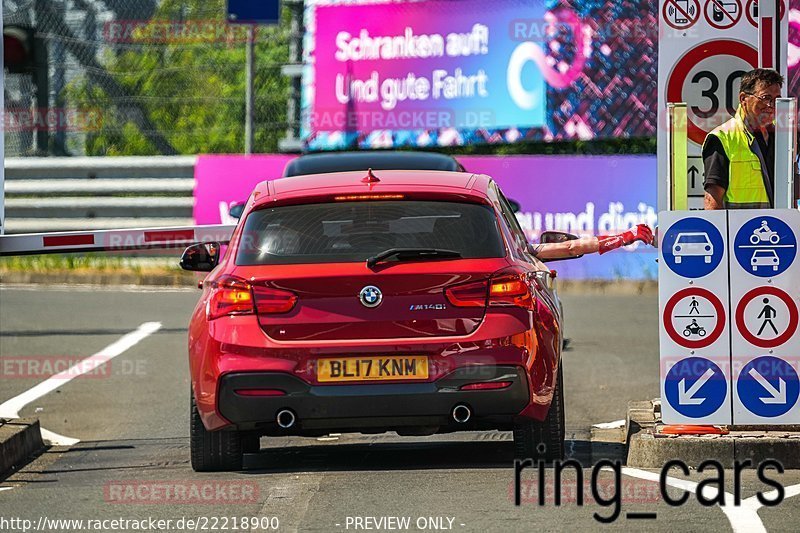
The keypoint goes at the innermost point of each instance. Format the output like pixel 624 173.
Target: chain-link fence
pixel 141 77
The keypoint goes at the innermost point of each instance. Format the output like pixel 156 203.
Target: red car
pixel 404 301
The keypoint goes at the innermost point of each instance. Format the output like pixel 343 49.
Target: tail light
pixel 504 288
pixel 471 294
pixel 230 296
pixel 273 301
pixel 234 296
pixel 510 290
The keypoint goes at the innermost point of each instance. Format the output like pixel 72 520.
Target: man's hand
pixel 642 233
pixel 714 197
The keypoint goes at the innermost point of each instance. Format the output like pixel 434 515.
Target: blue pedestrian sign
pixel 695 387
pixel 692 247
pixel 768 387
pixel 254 11
pixel 765 246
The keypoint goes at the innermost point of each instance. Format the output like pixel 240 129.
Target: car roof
pixel 378 160
pixel 389 181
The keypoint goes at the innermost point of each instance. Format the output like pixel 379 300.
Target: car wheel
pixel 678 259
pixel 213 451
pixel 543 440
pixel 708 259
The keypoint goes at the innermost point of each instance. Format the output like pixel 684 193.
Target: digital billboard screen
pixel 455 72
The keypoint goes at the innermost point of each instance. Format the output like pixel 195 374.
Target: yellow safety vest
pixel 747 178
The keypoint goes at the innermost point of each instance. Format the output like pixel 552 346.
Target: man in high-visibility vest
pixel 739 156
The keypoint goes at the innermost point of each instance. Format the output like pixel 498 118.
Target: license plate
pixel 372 368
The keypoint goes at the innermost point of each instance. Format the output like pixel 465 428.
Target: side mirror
pixel 201 257
pixel 515 206
pixel 236 210
pixel 555 237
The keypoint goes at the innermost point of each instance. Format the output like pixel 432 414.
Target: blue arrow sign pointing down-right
pixel 768 386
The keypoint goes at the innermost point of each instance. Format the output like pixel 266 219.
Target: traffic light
pixel 26 53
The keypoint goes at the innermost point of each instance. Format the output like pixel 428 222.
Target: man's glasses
pixel 764 99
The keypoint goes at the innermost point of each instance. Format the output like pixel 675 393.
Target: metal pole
pixel 768 24
pixel 678 159
pixel 249 93
pixel 2 141
pixel 785 157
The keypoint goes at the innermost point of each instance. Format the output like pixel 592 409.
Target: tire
pixel 543 441
pixel 213 451
pixel 754 239
pixel 774 238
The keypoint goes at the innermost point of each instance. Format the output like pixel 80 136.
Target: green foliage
pixel 191 88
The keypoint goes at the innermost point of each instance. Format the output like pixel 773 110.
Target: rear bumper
pixel 374 407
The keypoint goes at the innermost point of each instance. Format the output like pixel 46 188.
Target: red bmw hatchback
pixel 350 302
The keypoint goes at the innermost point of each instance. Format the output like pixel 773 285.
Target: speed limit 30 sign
pixel 708 77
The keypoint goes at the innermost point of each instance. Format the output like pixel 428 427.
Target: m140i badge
pixel 370 296
pixel 427 307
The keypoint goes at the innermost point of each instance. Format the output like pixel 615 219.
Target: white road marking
pixel 5 488
pixel 610 425
pixel 12 407
pixel 743 518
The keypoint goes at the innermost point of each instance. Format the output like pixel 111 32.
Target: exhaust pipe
pixel 462 413
pixel 286 418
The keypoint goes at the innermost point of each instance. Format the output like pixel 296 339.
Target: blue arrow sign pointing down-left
pixel 695 387
pixel 688 397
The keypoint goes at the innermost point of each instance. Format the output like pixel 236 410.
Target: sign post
pixel 785 156
pixel 694 335
pixel 251 13
pixel 765 296
pixel 729 301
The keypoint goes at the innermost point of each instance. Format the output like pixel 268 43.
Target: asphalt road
pixel 132 461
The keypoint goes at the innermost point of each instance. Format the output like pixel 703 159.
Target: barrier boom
pixel 113 240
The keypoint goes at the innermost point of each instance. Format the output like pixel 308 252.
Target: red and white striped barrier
pixel 113 240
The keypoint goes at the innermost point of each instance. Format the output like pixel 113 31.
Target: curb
pixel 20 438
pixel 647 448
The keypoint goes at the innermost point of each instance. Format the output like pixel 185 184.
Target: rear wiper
pixel 409 254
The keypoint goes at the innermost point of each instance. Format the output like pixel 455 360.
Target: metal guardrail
pixel 93 193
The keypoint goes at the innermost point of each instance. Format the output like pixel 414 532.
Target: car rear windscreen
pixel 354 231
